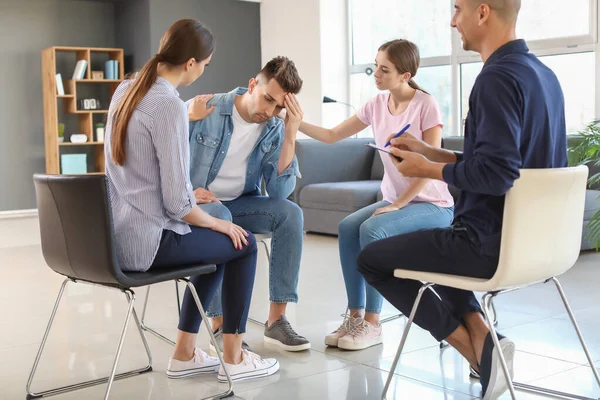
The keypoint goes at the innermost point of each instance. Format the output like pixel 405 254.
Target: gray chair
pixel 78 242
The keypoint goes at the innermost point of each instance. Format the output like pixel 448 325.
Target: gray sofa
pixel 342 178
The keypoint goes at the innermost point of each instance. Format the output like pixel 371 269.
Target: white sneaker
pixel 346 326
pixel 362 336
pixel 251 367
pixel 201 363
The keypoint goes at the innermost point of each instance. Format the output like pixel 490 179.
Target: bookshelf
pixel 60 59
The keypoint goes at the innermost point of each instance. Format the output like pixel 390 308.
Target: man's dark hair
pixel 283 70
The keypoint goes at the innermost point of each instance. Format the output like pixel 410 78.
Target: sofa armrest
pixel 347 160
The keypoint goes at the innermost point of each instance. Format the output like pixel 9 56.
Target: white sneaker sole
pixel 195 371
pixel 497 385
pixel 332 342
pixel 276 342
pixel 244 376
pixel 348 345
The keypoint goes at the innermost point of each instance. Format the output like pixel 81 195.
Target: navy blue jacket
pixel 516 120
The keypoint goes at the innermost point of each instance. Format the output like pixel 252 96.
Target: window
pixel 547 19
pixel 578 88
pixel 563 37
pixel 374 23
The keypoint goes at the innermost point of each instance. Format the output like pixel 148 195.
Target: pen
pixel 398 134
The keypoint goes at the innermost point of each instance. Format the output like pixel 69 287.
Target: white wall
pixel 312 33
pixel 291 28
pixel 335 61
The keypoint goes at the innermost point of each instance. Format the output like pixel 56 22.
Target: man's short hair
pixel 283 70
pixel 506 9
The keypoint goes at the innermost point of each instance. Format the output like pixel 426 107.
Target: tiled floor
pixel 87 326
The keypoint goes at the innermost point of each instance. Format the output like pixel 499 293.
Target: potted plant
pixel 61 132
pixel 587 151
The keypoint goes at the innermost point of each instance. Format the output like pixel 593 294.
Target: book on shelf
pixel 108 70
pixel 111 70
pixel 60 89
pixel 80 69
pixel 74 163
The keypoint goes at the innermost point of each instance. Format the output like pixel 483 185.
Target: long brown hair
pixel 185 39
pixel 405 56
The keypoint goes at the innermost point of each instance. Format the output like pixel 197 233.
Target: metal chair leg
pixel 178 298
pixel 229 390
pixel 555 393
pixel 576 326
pixel 486 310
pixel 268 250
pixel 113 376
pixel 404 337
pixel 495 319
pixel 391 318
pixel 146 327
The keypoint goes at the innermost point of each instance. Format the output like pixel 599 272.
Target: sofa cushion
pixel 377 168
pixel 339 196
pixel 592 204
pixel 454 143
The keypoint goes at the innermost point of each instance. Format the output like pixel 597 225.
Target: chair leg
pixel 495 319
pixel 391 318
pixel 404 336
pixel 486 310
pixel 111 378
pixel 147 328
pixel 229 390
pixel 178 298
pixel 131 299
pixel 554 393
pixel 576 326
pixel 268 250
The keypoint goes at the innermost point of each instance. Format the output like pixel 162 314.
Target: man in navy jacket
pixel 516 120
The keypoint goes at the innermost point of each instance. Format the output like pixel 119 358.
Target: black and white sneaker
pixel 493 381
pixel 251 367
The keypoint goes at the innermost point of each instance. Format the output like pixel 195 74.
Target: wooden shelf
pixel 85 118
pixel 98 80
pixel 91 49
pixel 81 144
pixel 89 112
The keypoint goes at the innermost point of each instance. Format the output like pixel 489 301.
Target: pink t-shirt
pixel 422 114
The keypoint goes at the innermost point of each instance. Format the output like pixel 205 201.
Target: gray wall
pixel 28 26
pixel 236 27
pixel 133 32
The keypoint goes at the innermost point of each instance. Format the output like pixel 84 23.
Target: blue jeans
pixel 359 229
pixel 284 220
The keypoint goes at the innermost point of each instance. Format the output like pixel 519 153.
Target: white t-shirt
pixel 231 179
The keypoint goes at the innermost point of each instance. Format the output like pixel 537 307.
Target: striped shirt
pixel 152 191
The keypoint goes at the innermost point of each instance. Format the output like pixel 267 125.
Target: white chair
pixel 541 238
pixel 260 238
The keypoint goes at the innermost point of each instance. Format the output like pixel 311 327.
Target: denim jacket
pixel 209 142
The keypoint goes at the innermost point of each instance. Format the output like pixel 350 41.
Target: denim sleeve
pixel 279 186
pixel 496 159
